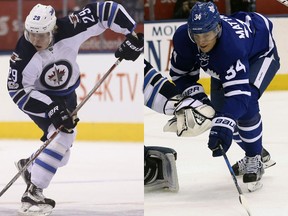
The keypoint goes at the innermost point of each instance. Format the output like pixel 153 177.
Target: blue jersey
pixel 245 38
pixel 35 76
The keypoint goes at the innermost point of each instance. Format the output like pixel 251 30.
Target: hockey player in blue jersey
pixel 240 55
pixel 43 76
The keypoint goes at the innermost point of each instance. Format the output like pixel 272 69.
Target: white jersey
pixel 34 75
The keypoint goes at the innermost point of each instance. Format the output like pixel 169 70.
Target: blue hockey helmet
pixel 204 17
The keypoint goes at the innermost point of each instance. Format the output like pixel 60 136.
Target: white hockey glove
pixel 160 169
pixel 192 118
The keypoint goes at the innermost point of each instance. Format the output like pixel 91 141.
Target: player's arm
pixel 191 116
pixel 159 93
pixel 21 82
pixel 237 93
pixel 95 18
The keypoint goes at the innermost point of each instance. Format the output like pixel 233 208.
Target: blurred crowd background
pixel 14 12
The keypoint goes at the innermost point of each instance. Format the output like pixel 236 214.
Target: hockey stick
pixel 284 2
pixel 242 199
pixel 47 142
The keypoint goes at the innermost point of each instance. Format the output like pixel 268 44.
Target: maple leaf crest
pixel 57 76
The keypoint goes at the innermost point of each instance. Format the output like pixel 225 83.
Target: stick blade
pixel 244 203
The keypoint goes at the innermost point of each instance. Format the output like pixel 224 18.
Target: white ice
pixel 206 186
pixel 101 179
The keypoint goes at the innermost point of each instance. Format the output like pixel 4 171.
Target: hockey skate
pixel 254 172
pixel 25 174
pixel 240 166
pixel 34 203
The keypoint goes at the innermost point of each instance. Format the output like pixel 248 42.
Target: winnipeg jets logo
pixel 15 57
pixel 56 75
pixel 74 19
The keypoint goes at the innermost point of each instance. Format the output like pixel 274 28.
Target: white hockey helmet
pixel 41 19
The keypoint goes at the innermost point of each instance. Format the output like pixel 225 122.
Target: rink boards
pixel 113 113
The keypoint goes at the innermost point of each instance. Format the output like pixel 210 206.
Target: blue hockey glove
pixel 59 115
pixel 131 48
pixel 221 133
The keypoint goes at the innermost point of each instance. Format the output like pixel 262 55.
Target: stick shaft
pixel 231 170
pixel 242 199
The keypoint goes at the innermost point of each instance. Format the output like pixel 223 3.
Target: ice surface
pixel 106 179
pixel 206 186
pixel 100 179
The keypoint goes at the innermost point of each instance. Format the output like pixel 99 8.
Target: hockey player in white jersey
pixel 43 76
pixel 240 55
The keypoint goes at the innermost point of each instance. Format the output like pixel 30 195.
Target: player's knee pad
pixel 250 132
pixel 57 153
pixel 160 169
pixel 64 139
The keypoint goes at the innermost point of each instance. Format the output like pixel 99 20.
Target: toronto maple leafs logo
pixel 56 75
pixel 212 8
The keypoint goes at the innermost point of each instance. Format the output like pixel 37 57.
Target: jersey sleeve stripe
pixel 106 10
pixel 16 97
pixel 112 14
pixel 235 82
pixel 237 92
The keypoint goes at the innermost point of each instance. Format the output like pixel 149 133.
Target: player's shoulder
pixel 182 41
pixel 23 52
pixel 181 33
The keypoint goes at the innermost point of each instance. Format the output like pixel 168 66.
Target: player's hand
pixel 59 115
pixel 221 133
pixel 131 48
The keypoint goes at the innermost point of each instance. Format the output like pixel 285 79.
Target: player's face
pixel 205 41
pixel 39 41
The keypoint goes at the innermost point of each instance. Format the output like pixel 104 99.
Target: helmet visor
pixel 204 37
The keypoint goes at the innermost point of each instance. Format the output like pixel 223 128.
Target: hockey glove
pixel 59 115
pixel 196 91
pixel 221 133
pixel 131 48
pixel 192 118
